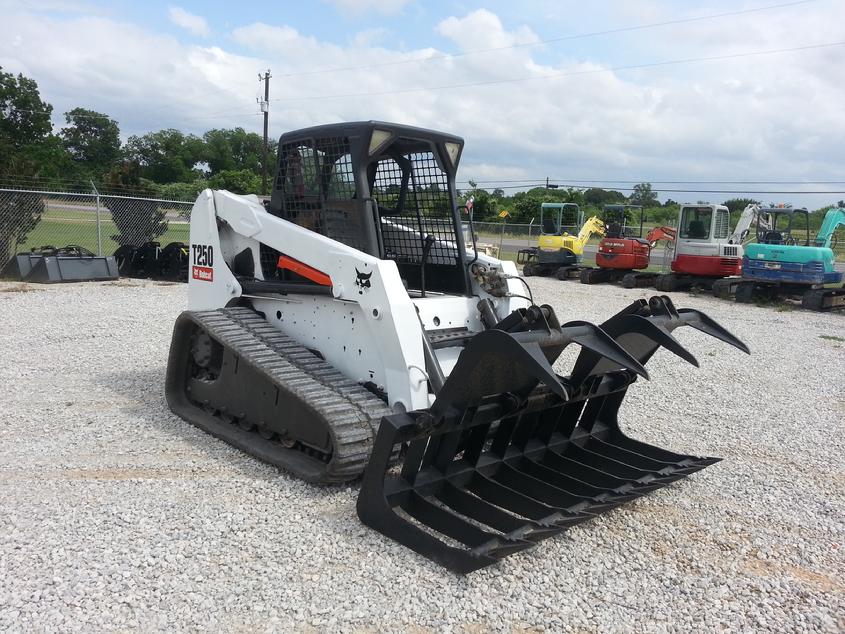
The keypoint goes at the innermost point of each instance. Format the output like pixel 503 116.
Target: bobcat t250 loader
pixel 347 329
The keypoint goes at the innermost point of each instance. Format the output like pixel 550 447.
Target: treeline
pixel 163 164
pixel 524 206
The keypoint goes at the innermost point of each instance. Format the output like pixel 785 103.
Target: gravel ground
pixel 116 515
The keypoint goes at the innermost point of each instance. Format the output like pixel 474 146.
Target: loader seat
pixel 549 226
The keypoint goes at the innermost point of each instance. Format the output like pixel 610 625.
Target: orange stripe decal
pixel 300 268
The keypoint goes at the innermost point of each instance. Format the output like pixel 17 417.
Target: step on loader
pixel 346 329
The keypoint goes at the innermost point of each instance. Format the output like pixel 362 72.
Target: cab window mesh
pixel 318 190
pixel 412 193
pixel 723 224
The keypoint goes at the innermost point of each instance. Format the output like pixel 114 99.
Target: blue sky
pixel 194 66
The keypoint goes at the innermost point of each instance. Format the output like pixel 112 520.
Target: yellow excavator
pixel 558 252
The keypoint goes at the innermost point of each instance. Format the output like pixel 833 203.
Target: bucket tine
pixel 484 512
pixel 563 481
pixel 525 505
pixel 591 475
pixel 547 493
pixel 705 324
pixel 595 340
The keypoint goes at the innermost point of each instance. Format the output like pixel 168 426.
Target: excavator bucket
pixel 511 453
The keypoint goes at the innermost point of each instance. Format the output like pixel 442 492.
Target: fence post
pixel 99 229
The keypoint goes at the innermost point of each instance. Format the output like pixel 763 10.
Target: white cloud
pixel 361 7
pixel 194 24
pixel 767 117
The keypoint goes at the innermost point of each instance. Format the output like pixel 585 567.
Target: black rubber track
pixel 327 401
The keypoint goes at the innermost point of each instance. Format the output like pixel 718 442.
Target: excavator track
pixel 240 379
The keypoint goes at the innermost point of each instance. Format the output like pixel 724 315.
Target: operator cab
pixel 704 222
pixel 382 188
pixel 619 219
pixel 783 225
pixel 559 218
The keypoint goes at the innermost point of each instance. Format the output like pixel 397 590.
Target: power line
pixel 653 182
pixel 553 40
pixel 592 71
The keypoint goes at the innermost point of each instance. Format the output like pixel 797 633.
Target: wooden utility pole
pixel 265 108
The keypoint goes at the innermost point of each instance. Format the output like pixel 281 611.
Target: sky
pixel 587 92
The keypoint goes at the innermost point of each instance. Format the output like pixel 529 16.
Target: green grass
pixel 60 227
pixel 832 338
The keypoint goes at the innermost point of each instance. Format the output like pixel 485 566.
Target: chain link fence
pixel 30 219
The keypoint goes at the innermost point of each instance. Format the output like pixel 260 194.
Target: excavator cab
pixel 783 225
pixel 560 218
pixel 620 220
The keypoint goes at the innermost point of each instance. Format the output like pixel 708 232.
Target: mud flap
pixel 510 453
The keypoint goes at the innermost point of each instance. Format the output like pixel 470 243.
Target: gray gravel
pixel 116 515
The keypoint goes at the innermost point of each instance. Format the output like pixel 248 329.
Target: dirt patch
pixel 818 580
pixel 19 288
pixel 123 284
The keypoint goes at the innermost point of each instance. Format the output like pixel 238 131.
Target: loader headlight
pixel 452 150
pixel 379 140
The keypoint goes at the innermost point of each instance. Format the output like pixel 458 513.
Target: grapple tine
pixel 597 341
pixel 705 324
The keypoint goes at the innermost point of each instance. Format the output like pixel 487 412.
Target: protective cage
pixel 489 473
pixel 384 189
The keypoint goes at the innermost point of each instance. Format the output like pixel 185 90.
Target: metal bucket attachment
pixel 47 265
pixel 510 453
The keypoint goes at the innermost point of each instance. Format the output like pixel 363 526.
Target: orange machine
pixel 621 254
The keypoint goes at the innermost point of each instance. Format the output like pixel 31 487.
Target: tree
pixel 166 156
pixel 735 205
pixel 24 118
pixel 597 197
pixel 236 181
pixel 92 139
pixel 644 196
pixel 47 159
pixel 234 150
pixel 19 213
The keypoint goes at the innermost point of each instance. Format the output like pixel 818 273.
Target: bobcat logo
pixel 362 281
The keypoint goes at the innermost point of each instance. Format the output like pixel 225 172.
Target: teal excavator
pixel 783 262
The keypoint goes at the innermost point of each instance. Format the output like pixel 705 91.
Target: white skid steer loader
pixel 347 325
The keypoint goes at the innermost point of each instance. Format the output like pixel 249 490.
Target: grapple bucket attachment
pixel 510 453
